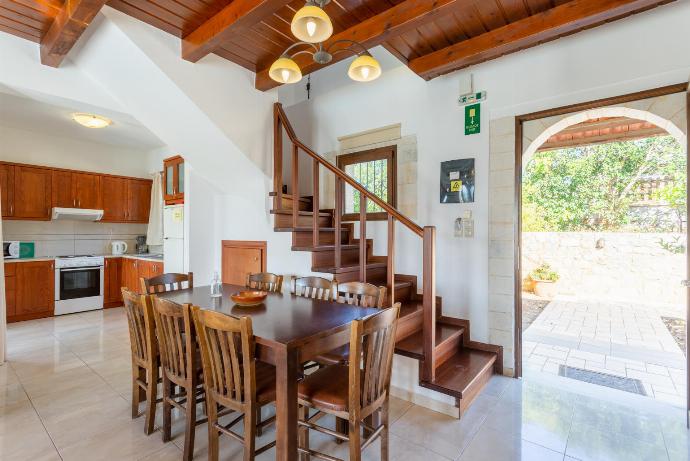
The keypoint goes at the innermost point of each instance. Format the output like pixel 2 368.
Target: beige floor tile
pixel 493 445
pixel 11 394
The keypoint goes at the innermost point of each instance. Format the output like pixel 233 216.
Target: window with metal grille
pixel 375 170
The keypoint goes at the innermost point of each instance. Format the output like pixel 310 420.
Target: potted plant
pixel 545 279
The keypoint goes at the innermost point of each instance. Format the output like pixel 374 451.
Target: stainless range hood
pixel 77 214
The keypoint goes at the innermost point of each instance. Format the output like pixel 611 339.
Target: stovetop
pixel 79 261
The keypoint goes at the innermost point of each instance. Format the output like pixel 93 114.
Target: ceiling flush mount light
pixel 311 24
pixel 363 69
pixel 91 120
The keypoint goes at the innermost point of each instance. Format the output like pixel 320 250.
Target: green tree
pixel 592 187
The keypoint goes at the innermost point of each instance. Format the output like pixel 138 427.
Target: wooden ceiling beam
pixel 564 19
pixel 235 17
pixel 374 31
pixel 70 22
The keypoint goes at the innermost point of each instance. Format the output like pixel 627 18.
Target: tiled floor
pixel 65 393
pixel 621 339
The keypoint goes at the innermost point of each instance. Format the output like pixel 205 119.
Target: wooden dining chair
pixel 360 294
pixel 181 367
pixel 265 281
pixel 356 392
pixel 166 282
pixel 145 358
pixel 312 287
pixel 357 294
pixel 234 380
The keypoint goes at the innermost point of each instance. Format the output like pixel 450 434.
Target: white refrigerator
pixel 173 238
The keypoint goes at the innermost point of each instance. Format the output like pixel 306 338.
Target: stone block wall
pixel 606 265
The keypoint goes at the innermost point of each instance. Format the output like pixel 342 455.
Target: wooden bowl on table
pixel 248 298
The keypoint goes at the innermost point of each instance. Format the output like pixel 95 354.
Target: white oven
pixel 78 284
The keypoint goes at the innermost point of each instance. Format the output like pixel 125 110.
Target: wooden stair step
pixel 323 214
pixel 447 335
pixel 348 268
pixel 305 203
pixel 321 248
pixel 464 374
pixel 308 229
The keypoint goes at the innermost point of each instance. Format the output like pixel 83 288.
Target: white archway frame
pixel 603 112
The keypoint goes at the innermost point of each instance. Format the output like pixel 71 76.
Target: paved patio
pixel 618 338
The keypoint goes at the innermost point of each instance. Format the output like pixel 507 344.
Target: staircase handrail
pixel 407 222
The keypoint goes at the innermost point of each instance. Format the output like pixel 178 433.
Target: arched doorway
pixel 545 135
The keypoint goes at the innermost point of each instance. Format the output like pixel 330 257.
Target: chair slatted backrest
pixel 177 345
pixel 142 335
pixel 265 281
pixel 372 345
pixel 312 287
pixel 360 294
pixel 227 356
pixel 166 282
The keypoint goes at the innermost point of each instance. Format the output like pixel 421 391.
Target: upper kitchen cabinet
pixel 114 192
pixel 173 179
pixel 7 189
pixel 87 190
pixel 76 190
pixel 138 200
pixel 32 193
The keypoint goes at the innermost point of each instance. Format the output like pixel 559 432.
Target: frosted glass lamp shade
pixel 311 24
pixel 285 71
pixel 364 69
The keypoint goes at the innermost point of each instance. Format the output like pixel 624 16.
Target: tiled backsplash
pixel 61 238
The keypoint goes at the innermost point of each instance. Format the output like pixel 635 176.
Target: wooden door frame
pixel 517 210
pixel 245 244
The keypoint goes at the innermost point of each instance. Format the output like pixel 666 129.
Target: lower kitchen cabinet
pixel 112 277
pixel 135 269
pixel 32 290
pixel 10 290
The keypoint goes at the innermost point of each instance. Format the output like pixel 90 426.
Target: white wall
pixel 587 66
pixel 36 148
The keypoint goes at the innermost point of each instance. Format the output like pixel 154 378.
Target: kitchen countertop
pixel 146 257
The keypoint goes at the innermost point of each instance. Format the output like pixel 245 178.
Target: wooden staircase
pixel 450 362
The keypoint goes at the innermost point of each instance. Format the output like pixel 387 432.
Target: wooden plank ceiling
pixel 433 37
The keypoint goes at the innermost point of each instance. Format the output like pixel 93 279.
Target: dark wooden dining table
pixel 289 331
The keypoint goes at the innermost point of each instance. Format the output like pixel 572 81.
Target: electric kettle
pixel 119 247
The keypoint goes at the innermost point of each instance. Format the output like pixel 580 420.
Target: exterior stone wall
pixel 617 266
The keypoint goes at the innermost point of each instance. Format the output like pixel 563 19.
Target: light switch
pixel 468 228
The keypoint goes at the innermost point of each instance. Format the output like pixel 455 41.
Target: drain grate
pixel 603 379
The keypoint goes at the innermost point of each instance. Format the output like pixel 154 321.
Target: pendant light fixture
pixel 363 69
pixel 311 24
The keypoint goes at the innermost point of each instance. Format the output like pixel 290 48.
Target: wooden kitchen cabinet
pixel 87 191
pixel 138 200
pixel 7 189
pixel 63 189
pixel 35 290
pixel 114 192
pixel 76 190
pixel 112 280
pixel 135 269
pixel 10 290
pixel 173 180
pixel 32 193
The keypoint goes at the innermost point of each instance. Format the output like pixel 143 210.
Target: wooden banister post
pixel 429 302
pixel 390 270
pixel 277 159
pixel 338 217
pixel 295 185
pixel 362 238
pixel 316 206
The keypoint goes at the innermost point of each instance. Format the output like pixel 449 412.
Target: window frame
pixel 388 153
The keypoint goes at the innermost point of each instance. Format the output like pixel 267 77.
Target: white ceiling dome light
pixel 91 120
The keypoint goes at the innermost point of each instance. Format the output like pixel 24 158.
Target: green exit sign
pixel 473 119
